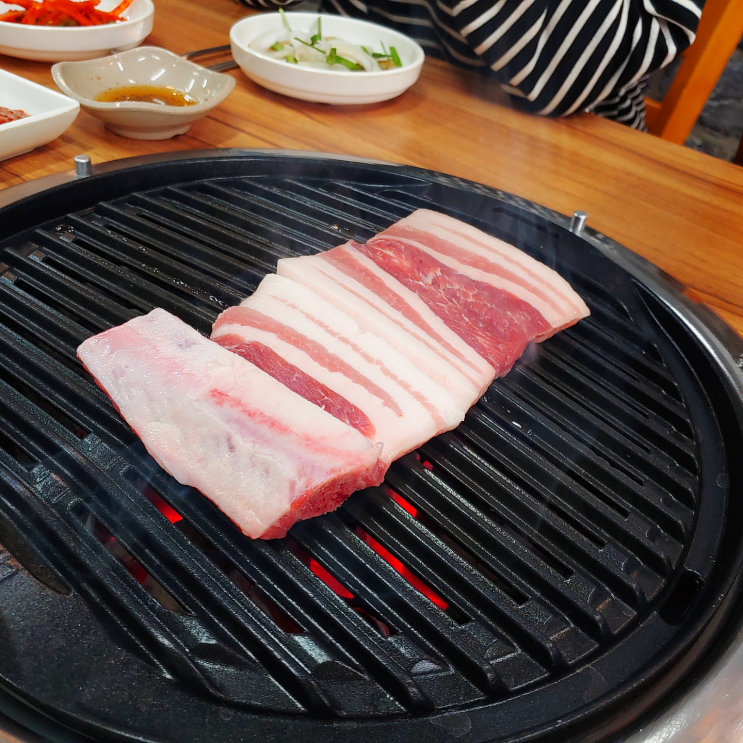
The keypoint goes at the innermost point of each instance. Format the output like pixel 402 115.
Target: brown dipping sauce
pixel 8 114
pixel 147 94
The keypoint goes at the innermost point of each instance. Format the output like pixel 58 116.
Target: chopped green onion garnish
pixel 333 58
pixel 387 58
pixel 318 36
pixel 311 46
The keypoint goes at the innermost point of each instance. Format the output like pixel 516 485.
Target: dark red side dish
pixel 8 114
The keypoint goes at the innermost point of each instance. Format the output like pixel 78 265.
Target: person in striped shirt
pixel 553 57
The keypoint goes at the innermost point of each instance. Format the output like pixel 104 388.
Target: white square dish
pixel 49 114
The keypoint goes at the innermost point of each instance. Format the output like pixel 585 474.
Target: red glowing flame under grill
pixel 333 583
pixel 329 580
pixel 411 509
pixel 165 508
pixel 414 581
pixel 129 562
pixel 337 587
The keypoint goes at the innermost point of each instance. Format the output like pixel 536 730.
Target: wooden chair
pixel 720 31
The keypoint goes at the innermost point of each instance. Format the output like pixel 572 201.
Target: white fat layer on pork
pixel 380 354
pixel 553 316
pixel 386 422
pixel 531 272
pixel 427 407
pixel 219 424
pixel 467 360
pixel 430 357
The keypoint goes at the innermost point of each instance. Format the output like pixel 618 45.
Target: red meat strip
pixel 485 258
pixel 382 305
pixel 405 405
pixel 497 324
pixel 298 381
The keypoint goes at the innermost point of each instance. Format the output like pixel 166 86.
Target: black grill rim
pixel 714 338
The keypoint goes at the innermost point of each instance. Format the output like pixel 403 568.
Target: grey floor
pixel 720 125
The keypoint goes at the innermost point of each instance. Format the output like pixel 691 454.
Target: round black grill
pixel 547 570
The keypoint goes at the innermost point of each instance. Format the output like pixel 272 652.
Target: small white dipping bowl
pixel 148 65
pixel 61 43
pixel 49 114
pixel 326 86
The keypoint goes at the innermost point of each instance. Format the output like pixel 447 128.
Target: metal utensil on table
pixel 228 64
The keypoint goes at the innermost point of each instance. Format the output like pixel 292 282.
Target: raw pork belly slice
pixel 382 305
pixel 484 258
pixel 404 405
pixel 239 328
pixel 298 381
pixel 497 324
pixel 261 453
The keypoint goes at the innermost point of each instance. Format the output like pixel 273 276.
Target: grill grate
pixel 538 558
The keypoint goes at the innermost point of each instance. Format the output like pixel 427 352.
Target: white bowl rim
pixel 148 11
pixel 66 104
pixel 206 105
pixel 419 53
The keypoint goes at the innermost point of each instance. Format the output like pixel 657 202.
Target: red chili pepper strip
pixel 121 7
pixel 25 4
pixel 63 12
pixel 30 16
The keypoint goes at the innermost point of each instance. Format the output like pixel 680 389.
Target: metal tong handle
pixel 220 66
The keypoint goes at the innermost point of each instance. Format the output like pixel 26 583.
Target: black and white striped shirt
pixel 554 57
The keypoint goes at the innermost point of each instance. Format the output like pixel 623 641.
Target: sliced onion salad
pixel 323 52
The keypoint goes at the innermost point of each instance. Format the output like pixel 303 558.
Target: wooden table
pixel 678 208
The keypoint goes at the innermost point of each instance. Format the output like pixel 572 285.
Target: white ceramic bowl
pixel 49 114
pixel 326 86
pixel 58 43
pixel 148 65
